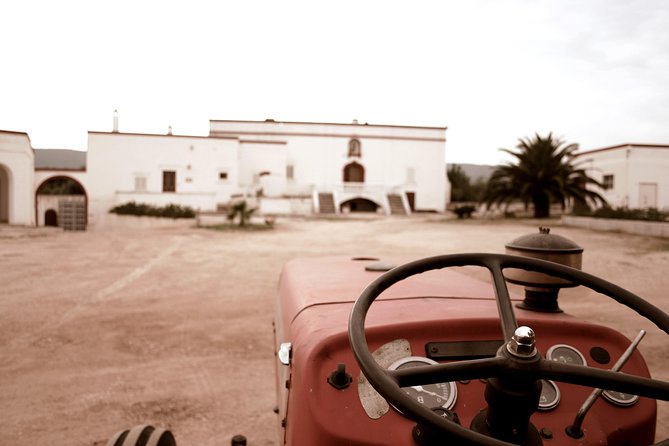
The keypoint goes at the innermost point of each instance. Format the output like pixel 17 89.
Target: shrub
pixel 242 210
pixel 141 209
pixel 649 214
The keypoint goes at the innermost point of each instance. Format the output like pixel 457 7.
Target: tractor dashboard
pixel 437 317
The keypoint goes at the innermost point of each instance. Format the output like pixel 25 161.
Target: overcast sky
pixel 593 72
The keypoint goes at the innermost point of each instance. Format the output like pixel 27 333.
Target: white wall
pixel 631 166
pixel 17 162
pixel 115 160
pixel 259 157
pixel 319 152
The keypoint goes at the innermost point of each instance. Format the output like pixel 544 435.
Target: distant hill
pixel 476 171
pixel 60 159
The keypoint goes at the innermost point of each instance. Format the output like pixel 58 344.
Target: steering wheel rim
pixel 389 383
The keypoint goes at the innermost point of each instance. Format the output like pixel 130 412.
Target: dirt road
pixel 104 330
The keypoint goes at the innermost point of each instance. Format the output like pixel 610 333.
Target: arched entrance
pixel 50 218
pixel 61 201
pixel 354 173
pixel 359 205
pixel 4 194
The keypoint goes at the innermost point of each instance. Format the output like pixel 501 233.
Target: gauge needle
pixel 420 389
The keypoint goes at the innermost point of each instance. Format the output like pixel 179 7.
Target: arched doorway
pixel 354 173
pixel 4 194
pixel 359 205
pixel 61 201
pixel 50 218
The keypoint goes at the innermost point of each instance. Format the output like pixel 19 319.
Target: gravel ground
pixel 102 330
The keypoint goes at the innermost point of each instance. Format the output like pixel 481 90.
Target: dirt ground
pixel 104 330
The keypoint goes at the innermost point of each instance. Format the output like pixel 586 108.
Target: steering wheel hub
pixel 521 344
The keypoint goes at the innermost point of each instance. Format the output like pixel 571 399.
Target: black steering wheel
pixel 506 367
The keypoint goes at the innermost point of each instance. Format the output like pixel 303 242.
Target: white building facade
pixel 634 175
pixel 17 174
pixel 158 169
pixel 342 167
pixel 284 168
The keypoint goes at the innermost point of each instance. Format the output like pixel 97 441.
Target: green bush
pixel 650 214
pixel 141 209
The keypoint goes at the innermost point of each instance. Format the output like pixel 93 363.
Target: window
pixel 607 182
pixel 169 181
pixel 354 148
pixel 223 175
pixel 140 183
pixel 290 171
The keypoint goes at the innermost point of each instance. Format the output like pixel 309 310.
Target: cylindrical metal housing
pixel 544 246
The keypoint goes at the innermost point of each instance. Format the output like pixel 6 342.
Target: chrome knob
pixel 522 343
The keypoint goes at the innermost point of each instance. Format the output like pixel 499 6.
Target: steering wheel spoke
pixel 605 379
pixel 504 306
pixel 451 371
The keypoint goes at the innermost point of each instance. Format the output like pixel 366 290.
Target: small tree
pixel 241 209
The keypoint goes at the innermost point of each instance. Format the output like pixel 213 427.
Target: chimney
pixel 115 129
pixel 169 130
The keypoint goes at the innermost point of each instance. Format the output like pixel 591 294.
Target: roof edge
pixel 160 134
pixel 272 121
pixel 626 145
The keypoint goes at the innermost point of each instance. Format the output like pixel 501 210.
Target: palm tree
pixel 544 173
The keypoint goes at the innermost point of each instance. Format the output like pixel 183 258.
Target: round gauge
pixel 550 395
pixel 619 398
pixel 567 354
pixel 431 395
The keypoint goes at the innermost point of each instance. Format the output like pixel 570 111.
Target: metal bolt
pixel 522 343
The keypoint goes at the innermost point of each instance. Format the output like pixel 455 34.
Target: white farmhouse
pixel 284 167
pixel 341 167
pixel 633 175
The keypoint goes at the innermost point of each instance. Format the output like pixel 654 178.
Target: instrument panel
pixel 444 395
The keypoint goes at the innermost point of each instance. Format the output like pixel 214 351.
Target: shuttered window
pixel 169 181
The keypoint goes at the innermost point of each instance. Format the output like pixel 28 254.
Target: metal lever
pixel 575 430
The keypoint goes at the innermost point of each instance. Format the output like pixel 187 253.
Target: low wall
pixel 649 228
pixel 286 206
pixel 115 221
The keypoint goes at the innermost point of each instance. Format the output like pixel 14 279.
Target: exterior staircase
pixel 396 205
pixel 326 203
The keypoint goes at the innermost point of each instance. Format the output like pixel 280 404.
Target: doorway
pixel 50 218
